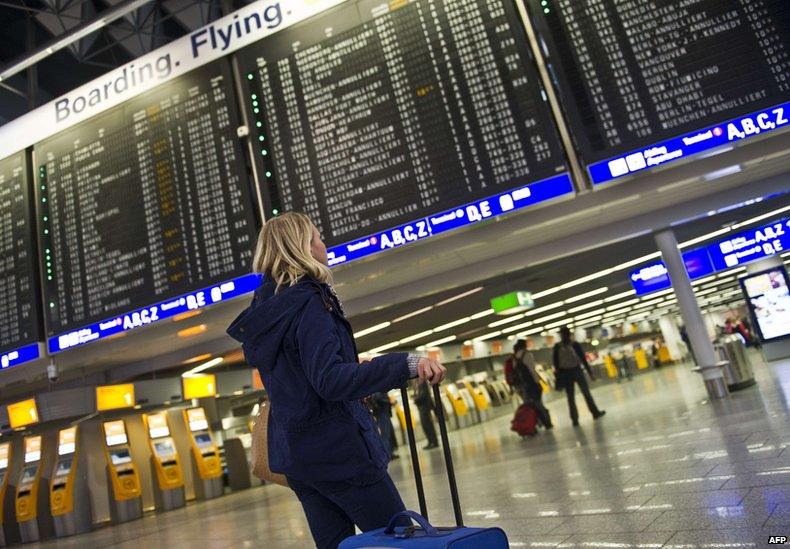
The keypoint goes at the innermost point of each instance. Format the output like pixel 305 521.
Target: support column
pixel 701 344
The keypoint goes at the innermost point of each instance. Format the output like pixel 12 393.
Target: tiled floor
pixel 664 468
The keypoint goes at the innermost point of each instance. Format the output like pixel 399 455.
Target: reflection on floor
pixel 664 468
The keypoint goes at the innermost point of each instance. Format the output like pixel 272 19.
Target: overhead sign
pixel 751 245
pixel 19 356
pixel 733 251
pixel 114 397
pixel 199 386
pixel 218 39
pixel 655 277
pixel 513 302
pixel 22 414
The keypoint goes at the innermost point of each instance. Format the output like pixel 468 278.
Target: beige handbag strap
pixel 260 448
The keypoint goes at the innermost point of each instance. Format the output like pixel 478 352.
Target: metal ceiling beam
pixel 77 33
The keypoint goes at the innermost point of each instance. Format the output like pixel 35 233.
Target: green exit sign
pixel 514 302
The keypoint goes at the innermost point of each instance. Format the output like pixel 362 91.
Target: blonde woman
pixel 321 436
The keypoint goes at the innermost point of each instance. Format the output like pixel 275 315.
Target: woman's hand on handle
pixel 431 370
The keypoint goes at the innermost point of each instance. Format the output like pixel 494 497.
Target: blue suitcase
pixel 424 535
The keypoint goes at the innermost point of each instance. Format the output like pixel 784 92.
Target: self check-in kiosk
pixel 169 477
pixel 69 496
pixel 206 465
pixel 32 504
pixel 9 531
pixel 123 479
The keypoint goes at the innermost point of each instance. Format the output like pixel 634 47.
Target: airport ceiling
pixel 29 24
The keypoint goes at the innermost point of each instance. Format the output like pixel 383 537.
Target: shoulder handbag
pixel 260 448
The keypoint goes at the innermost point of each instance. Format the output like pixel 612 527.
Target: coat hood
pixel 270 315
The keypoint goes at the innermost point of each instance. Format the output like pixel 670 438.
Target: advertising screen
pixel 140 207
pixel 648 83
pixel 196 417
pixel 115 432
pixel 768 297
pixel 389 122
pixel 157 425
pixel 67 441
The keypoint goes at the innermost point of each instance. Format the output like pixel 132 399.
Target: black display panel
pixel 19 322
pixel 372 115
pixel 142 203
pixel 634 73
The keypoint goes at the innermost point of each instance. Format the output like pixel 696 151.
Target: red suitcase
pixel 525 421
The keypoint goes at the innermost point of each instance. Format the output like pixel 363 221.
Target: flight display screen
pixel 387 123
pixel 144 203
pixel 19 324
pixel 646 83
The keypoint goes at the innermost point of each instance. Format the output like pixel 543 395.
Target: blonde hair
pixel 283 251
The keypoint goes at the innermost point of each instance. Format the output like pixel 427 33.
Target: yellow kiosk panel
pixel 123 473
pixel 61 495
pixel 5 461
pixel 163 449
pixel 21 414
pixel 204 450
pixel 113 397
pixel 27 489
pixel 199 386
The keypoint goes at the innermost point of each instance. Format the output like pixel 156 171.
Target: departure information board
pixel 19 324
pixel 646 83
pixel 144 204
pixel 389 122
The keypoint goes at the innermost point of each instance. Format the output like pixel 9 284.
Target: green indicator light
pixel 275 212
pixel 46 231
pixel 254 103
pixel 544 3
pixel 260 138
pixel 250 76
pixel 49 278
pixel 43 187
pixel 47 250
pixel 49 264
pixel 268 174
pixel 259 124
pixel 46 218
pixel 51 305
pixel 546 10
pixel 49 271
pixel 43 200
pixel 254 96
pixel 264 152
pixel 256 110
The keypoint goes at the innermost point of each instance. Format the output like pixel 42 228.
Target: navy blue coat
pixel 303 347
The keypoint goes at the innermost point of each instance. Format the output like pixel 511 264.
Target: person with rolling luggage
pixel 320 435
pixel 525 377
pixel 399 535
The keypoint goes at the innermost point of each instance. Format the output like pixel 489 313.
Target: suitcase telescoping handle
pixel 448 458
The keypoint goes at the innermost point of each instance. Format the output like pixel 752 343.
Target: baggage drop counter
pixel 9 532
pixel 206 465
pixel 32 503
pixel 69 495
pixel 123 479
pixel 169 477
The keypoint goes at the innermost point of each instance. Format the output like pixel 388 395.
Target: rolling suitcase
pixel 424 535
pixel 525 420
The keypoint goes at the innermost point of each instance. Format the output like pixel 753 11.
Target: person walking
pixel 526 378
pixel 568 362
pixel 425 405
pixel 382 409
pixel 321 435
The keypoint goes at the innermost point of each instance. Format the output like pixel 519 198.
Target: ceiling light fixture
pixel 585 295
pixel 414 313
pixel 459 296
pixel 615 297
pixel 203 367
pixel 416 336
pixel 447 339
pixel 586 306
pixel 453 324
pixel 482 314
pixel 372 329
pixel 487 336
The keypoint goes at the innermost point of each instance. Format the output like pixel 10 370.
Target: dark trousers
pixel 568 379
pixel 426 419
pixel 333 508
pixel 535 398
pixel 385 427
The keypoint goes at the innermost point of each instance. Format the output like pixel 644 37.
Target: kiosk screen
pixel 120 457
pixel 164 448
pixel 203 440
